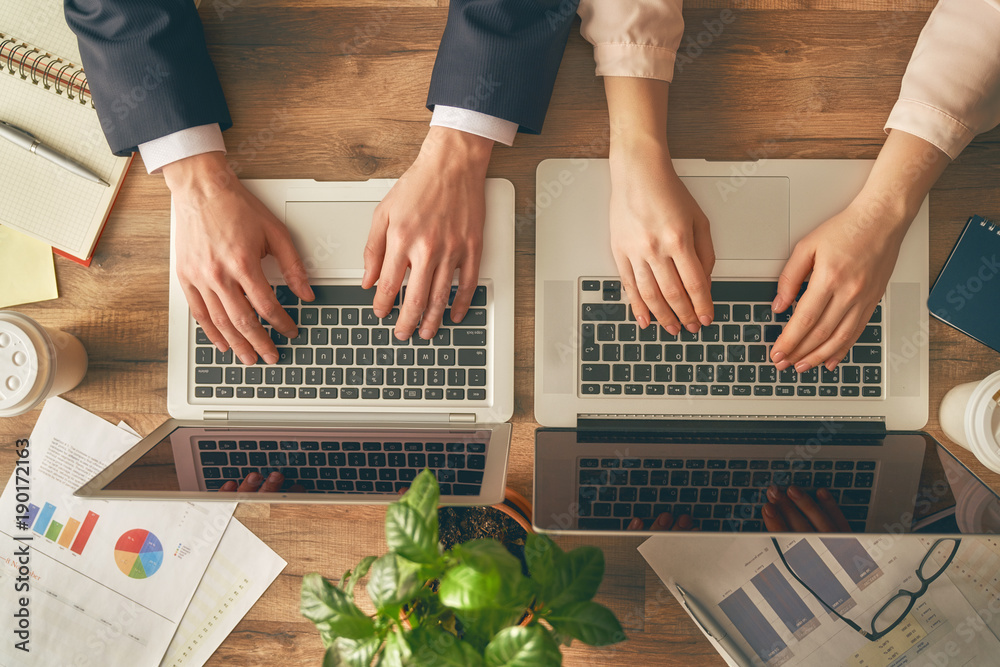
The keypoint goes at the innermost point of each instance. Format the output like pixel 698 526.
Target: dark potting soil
pixel 461 524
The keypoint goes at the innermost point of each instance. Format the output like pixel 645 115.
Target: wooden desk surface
pixel 335 90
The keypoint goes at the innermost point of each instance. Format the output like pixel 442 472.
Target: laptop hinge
pixel 785 424
pixel 462 418
pixel 215 415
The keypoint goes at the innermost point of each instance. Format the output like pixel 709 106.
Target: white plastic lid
pixel 21 375
pixel 982 422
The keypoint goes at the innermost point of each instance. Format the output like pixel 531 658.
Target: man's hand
pixel 851 257
pixel 660 237
pixel 795 511
pixel 661 241
pixel 223 233
pixel 432 223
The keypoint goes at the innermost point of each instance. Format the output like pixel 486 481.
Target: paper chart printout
pixel 97 561
pixel 776 621
pixel 241 570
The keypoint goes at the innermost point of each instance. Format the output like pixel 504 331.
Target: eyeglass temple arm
pixel 849 622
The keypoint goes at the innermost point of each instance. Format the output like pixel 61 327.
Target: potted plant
pixel 467 606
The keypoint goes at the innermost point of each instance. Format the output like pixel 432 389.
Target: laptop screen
pixel 647 481
pixel 354 463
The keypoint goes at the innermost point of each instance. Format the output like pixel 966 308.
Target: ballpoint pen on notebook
pixel 712 628
pixel 26 140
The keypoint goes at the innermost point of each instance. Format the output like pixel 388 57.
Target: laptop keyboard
pixel 345 353
pixel 325 466
pixel 730 358
pixel 718 494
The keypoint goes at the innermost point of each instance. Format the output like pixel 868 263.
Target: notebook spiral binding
pixel 990 225
pixel 63 78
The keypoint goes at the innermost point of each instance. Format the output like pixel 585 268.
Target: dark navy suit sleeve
pixel 147 67
pixel 500 57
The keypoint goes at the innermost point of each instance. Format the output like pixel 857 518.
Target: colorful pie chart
pixel 138 553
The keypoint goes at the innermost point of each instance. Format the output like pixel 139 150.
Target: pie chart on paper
pixel 138 553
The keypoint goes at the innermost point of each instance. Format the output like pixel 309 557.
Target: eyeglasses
pixel 892 613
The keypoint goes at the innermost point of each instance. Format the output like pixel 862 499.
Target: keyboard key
pixel 596 373
pixel 471 357
pixel 208 375
pixel 866 354
pixel 603 312
pixel 591 285
pixel 694 353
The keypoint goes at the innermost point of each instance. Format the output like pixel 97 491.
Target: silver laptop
pixel 595 369
pixel 348 414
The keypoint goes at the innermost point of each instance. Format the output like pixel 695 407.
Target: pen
pixel 26 140
pixel 712 628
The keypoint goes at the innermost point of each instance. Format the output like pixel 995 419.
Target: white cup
pixel 970 416
pixel 36 363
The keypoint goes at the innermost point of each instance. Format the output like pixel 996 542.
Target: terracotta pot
pixel 516 507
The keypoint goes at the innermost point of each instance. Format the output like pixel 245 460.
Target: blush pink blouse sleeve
pixel 951 89
pixel 637 38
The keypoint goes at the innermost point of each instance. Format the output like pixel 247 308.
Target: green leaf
pixel 520 646
pixel 397 652
pixel 355 576
pixel 423 496
pixel 352 653
pixel 588 621
pixel 481 625
pixel 487 577
pixel 542 556
pixel 409 535
pixel 321 602
pixel 434 647
pixel 463 587
pixel 392 581
pixel 577 577
pixel 488 555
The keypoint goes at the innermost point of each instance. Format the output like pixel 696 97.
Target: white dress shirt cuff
pixel 473 122
pixel 181 144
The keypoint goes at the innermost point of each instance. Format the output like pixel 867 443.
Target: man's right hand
pixel 223 233
pixel 432 223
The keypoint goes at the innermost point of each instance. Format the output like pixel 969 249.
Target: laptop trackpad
pixel 330 234
pixel 749 216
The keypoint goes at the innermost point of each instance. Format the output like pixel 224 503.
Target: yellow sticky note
pixel 27 272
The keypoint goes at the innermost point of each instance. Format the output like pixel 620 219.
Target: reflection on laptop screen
pixel 336 461
pixel 894 483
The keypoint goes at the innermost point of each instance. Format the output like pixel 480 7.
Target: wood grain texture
pixel 335 90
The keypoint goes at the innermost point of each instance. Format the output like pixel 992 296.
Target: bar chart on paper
pixel 762 608
pixel 73 534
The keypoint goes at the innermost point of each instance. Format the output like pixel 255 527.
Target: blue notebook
pixel 966 294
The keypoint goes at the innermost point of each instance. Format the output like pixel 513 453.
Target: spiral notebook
pixel 966 294
pixel 43 90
